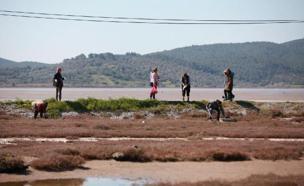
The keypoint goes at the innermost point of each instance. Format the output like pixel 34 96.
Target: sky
pixel 52 41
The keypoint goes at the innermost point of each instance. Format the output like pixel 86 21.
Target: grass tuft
pixel 57 162
pixel 10 163
pixel 228 156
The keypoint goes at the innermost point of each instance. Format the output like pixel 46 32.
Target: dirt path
pixel 169 172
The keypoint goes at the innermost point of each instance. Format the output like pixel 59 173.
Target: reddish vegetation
pixel 57 162
pixel 192 127
pixel 166 151
pixel 10 163
pixel 254 180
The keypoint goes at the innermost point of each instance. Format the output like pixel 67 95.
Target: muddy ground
pixel 189 160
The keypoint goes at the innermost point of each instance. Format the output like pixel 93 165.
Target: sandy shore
pixel 169 172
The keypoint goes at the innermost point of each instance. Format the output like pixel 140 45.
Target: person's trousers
pixel 58 93
pixel 228 94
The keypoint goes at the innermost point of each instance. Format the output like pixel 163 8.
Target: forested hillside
pixel 256 64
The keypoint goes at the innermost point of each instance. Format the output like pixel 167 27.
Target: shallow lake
pixel 170 94
pixel 90 181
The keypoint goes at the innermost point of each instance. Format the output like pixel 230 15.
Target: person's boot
pixel 183 98
pixel 188 98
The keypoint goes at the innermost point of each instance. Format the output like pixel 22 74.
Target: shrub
pixel 68 151
pixel 134 155
pixel 102 127
pixel 228 156
pixel 278 153
pixel 57 162
pixel 10 163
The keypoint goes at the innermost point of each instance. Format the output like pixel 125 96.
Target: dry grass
pixel 228 156
pixel 167 151
pixel 254 180
pixel 56 162
pixel 134 155
pixel 187 127
pixel 10 163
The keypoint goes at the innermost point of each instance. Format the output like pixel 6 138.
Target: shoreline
pixel 168 172
pixel 169 94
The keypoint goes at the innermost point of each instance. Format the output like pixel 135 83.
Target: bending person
pixel 215 106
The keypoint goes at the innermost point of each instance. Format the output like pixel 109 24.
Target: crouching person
pixel 40 107
pixel 215 106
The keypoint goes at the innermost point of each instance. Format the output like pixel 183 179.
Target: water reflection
pixel 91 181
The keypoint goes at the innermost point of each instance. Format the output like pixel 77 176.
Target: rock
pixel 118 156
pixel 65 114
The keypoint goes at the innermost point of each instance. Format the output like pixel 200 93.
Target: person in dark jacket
pixel 215 106
pixel 185 85
pixel 228 95
pixel 58 83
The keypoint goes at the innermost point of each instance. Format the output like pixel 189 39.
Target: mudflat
pixel 170 171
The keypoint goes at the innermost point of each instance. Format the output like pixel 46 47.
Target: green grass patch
pixel 55 108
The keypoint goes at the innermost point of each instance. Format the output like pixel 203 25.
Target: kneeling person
pixel 215 106
pixel 40 107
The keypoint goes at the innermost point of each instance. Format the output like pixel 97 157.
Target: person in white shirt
pixel 154 82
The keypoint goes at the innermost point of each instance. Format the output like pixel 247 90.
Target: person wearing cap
pixel 154 81
pixel 58 83
pixel 185 85
pixel 228 95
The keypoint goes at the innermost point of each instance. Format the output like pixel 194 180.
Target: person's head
pixel 227 71
pixel 218 102
pixel 185 74
pixel 155 69
pixel 59 69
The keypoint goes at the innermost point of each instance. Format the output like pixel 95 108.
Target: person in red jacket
pixel 154 81
pixel 40 107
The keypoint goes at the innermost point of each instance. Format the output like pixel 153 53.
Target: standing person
pixel 154 81
pixel 228 84
pixel 185 86
pixel 58 83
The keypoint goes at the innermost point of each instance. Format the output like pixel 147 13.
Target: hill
pixel 256 64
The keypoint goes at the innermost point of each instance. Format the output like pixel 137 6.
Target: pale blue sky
pixel 51 41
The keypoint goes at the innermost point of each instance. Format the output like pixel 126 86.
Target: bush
pixel 10 163
pixel 68 151
pixel 134 155
pixel 228 156
pixel 58 162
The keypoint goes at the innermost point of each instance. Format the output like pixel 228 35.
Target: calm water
pixel 143 93
pixel 90 181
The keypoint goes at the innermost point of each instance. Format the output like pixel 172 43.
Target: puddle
pixel 90 181
pixel 13 141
